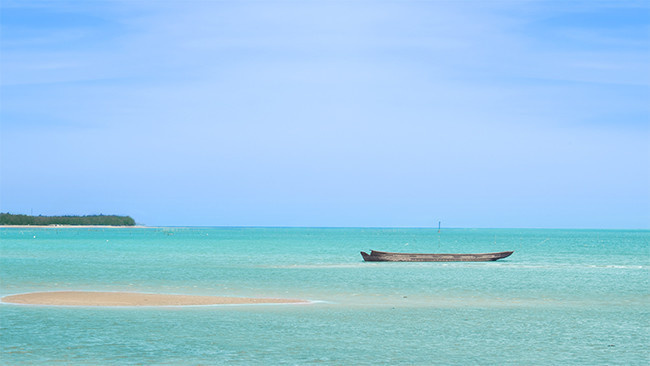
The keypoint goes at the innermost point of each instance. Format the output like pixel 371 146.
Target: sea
pixel 565 297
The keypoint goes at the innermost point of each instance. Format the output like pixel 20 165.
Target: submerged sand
pixel 86 298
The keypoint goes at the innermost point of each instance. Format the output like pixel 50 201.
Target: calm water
pixel 563 297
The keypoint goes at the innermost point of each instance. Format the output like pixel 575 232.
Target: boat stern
pixel 366 257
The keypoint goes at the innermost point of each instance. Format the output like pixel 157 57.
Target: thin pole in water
pixel 438 226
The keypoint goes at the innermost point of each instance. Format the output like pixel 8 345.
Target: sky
pixel 497 114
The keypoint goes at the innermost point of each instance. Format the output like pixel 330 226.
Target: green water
pixel 563 297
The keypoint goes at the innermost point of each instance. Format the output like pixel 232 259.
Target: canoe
pixel 376 256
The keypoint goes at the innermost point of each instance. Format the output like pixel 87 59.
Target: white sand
pixel 85 298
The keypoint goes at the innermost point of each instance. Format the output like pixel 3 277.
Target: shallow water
pixel 564 296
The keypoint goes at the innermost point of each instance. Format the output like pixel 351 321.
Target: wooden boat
pixel 376 256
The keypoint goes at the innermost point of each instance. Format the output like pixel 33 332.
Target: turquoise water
pixel 563 297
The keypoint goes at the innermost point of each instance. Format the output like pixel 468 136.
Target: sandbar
pixel 90 298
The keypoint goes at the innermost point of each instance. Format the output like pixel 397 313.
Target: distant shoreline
pixel 56 226
pixel 7 218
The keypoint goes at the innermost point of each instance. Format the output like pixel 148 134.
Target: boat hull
pixel 376 256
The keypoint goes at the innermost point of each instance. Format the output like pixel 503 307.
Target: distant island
pixel 89 220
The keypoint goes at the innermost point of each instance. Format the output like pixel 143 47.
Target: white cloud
pixel 334 103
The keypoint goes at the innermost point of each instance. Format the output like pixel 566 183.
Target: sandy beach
pixel 86 298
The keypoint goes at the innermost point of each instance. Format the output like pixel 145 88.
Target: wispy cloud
pixel 323 103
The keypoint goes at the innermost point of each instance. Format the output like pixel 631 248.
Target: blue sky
pixel 328 113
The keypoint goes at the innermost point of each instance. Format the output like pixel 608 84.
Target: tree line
pixel 103 220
